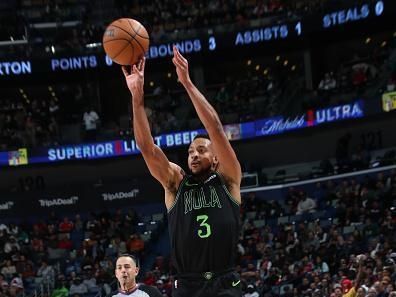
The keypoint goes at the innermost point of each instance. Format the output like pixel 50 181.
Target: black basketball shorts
pixel 226 285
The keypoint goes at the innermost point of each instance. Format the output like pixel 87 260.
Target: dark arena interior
pixel 305 91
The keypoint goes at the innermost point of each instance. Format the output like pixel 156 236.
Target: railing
pixel 44 286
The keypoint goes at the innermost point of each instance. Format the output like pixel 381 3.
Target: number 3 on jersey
pixel 205 231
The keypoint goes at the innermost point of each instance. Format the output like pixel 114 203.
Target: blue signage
pixel 352 14
pixel 276 32
pixel 15 68
pixel 85 151
pixel 166 50
pixel 74 63
pixel 215 41
pixel 108 149
pixel 341 112
pixel 259 128
pixel 278 125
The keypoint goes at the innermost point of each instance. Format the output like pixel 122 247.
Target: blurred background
pixel 305 89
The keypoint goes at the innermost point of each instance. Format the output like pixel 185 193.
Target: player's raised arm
pixel 167 173
pixel 229 165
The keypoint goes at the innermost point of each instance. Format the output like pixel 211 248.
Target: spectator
pixel 16 284
pixel 305 205
pixel 45 271
pixel 8 270
pixel 61 290
pixel 164 290
pixel 11 245
pixel 29 273
pixel 4 228
pixel 65 226
pixel 251 291
pixel 337 290
pixel 3 281
pixel 361 292
pixel 328 83
pixel 320 265
pixel 371 292
pixel 149 279
pixel 37 245
pixel 379 288
pixel 135 244
pixel 90 282
pixel 91 122
pixel 78 287
pixel 359 74
pixel 13 230
pixel 64 242
pixel 23 266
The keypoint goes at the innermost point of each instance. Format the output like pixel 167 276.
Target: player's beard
pixel 202 173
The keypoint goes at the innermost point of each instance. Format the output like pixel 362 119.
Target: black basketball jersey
pixel 203 226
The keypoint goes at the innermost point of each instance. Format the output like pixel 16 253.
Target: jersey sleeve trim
pixel 178 193
pixel 226 190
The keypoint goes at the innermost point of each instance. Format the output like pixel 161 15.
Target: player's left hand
pixel 181 64
pixel 135 79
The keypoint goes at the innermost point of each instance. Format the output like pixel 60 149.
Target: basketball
pixel 125 41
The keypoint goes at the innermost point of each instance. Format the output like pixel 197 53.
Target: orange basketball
pixel 125 41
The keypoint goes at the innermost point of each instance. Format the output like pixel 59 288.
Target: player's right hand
pixel 181 64
pixel 135 79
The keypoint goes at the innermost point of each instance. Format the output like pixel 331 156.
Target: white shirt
pixel 78 289
pixel 17 282
pixel 90 120
pixel 8 247
pixel 45 271
pixel 306 205
pixel 4 227
pixel 8 270
pixel 90 283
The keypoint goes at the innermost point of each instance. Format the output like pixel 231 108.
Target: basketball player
pixel 203 208
pixel 126 271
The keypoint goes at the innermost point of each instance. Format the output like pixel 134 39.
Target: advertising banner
pixel 389 101
pixel 80 200
pixel 263 127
